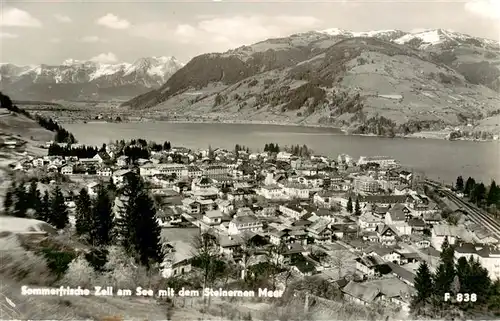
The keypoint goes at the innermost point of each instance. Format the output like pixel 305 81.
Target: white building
pixel 366 184
pixel 148 170
pixel 383 161
pixel 178 261
pixel 212 217
pixel 292 211
pixel 293 190
pixel 369 222
pixel 442 231
pixel 67 170
pixel 105 172
pixel 92 188
pixel 240 224
pixel 169 169
pixel 271 192
pixel 344 158
pixel 284 156
pixel 489 257
pixel 119 176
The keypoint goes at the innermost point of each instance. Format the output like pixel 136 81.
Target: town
pixel 364 225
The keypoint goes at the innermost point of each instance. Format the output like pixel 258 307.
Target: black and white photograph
pixel 246 160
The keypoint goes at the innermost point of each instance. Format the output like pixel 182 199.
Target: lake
pixel 439 159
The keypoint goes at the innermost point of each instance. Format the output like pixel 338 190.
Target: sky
pixel 51 31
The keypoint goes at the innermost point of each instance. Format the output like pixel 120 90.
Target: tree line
pixel 238 148
pixel 134 149
pixel 166 146
pixel 70 151
pixel 271 148
pixel 61 136
pixel 300 151
pixel 135 228
pixel 466 276
pixel 357 207
pixel 478 193
pixel 49 207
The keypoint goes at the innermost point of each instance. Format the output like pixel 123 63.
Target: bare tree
pixel 248 250
pixel 206 254
pixel 338 261
pixel 274 257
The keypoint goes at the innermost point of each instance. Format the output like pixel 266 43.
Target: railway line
pixel 475 214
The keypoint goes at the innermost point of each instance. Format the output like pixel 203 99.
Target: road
pixel 475 214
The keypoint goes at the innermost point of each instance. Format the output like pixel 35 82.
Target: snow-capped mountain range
pixel 381 82
pixel 86 79
pixel 421 39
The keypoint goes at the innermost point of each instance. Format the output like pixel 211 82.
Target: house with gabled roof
pixel 320 230
pixel 441 232
pixel 278 237
pixel 302 265
pixel 417 225
pixel 241 223
pixel 367 264
pixel 178 261
pixel 212 217
pixel 368 222
pixel 229 244
pixel 191 206
pixel 393 290
pixel 360 293
pixel 388 254
pixel 119 176
pixel 92 188
pixel 397 214
pixel 324 199
pixel 386 234
pixel 102 157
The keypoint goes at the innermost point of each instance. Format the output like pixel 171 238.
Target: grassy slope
pixel 429 91
pixel 23 127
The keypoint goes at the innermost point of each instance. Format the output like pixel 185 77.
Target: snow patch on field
pixel 396 97
pixel 24 225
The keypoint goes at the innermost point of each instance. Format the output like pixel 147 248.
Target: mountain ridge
pixel 443 78
pixel 75 79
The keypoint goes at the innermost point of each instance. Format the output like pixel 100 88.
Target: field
pixel 179 234
pixel 21 126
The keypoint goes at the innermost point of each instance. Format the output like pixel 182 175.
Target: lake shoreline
pixel 437 135
pixel 426 155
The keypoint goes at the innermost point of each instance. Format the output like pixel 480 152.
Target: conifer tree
pixel 138 229
pixel 441 282
pixel 423 283
pixel 480 282
pixel 357 208
pixel 83 213
pixel 478 194
pixel 34 196
pixel 463 272
pixel 445 273
pixel 349 205
pixel 59 211
pixel 20 203
pixel 9 199
pixel 149 232
pixel 44 212
pixel 102 220
pixel 493 194
pixel 469 186
pixel 459 186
